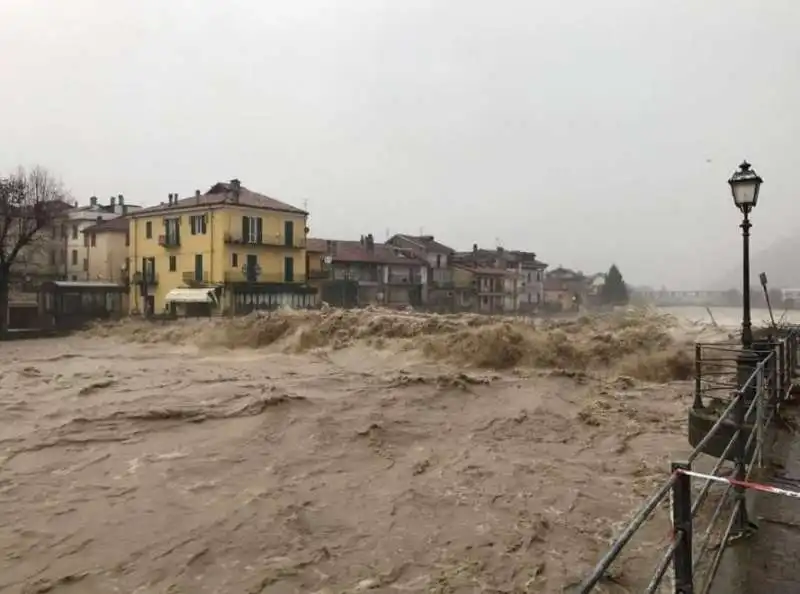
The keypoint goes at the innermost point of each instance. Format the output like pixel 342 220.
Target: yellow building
pixel 230 250
pixel 107 245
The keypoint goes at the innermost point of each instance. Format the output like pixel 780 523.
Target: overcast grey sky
pixel 586 131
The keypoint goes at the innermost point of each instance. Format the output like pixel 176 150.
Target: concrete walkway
pixel 774 552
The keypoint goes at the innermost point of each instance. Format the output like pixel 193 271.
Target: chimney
pixel 175 198
pixel 121 199
pixel 236 187
pixel 370 243
pixel 475 248
pixel 113 202
pixel 197 196
pixel 93 201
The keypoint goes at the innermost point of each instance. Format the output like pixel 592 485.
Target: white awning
pixel 191 296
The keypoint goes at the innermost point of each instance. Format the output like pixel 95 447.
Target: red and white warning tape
pixel 745 484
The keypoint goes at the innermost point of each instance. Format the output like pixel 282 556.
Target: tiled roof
pixel 118 225
pixel 355 251
pixel 316 245
pixel 483 270
pixel 526 259
pixel 223 193
pixel 566 273
pixel 427 242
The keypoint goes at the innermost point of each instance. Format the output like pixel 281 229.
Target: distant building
pixel 364 272
pixel 480 288
pixel 565 289
pixel 76 246
pixel 522 279
pixel 438 291
pixel 107 253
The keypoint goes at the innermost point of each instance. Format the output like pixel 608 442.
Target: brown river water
pixel 336 452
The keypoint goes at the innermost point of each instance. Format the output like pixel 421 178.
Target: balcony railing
pixel 191 277
pixel 149 278
pixel 244 276
pixel 169 241
pixel 404 279
pixel 264 240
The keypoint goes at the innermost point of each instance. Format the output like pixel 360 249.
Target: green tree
pixel 615 292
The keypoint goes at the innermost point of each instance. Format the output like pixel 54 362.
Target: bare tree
pixel 30 202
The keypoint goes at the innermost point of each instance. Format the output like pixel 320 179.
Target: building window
pixel 438 260
pixel 173 263
pixel 235 260
pixel 74 231
pixel 288 269
pixel 52 257
pixel 74 257
pixel 149 269
pixel 251 229
pixel 86 263
pixel 288 233
pixel 148 230
pixel 172 231
pixel 85 240
pixel 198 224
pixel 127 239
pixel 94 240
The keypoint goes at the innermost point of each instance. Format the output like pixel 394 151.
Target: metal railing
pixel 746 414
pixel 193 277
pixel 150 278
pixel 280 240
pixel 239 276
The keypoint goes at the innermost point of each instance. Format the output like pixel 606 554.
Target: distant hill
pixel 781 262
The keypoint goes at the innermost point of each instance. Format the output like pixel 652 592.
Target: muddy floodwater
pixel 165 465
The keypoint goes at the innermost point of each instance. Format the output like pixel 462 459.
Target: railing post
pixel 682 529
pixel 765 397
pixel 781 369
pixel 775 383
pixel 740 457
pixel 698 377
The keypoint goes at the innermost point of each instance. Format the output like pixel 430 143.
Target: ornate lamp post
pixel 745 184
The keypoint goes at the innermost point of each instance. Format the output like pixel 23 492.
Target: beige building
pixel 76 242
pixel 107 250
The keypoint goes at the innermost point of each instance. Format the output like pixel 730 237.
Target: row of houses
pixel 233 250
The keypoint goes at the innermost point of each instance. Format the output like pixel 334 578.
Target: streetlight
pixel 745 184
